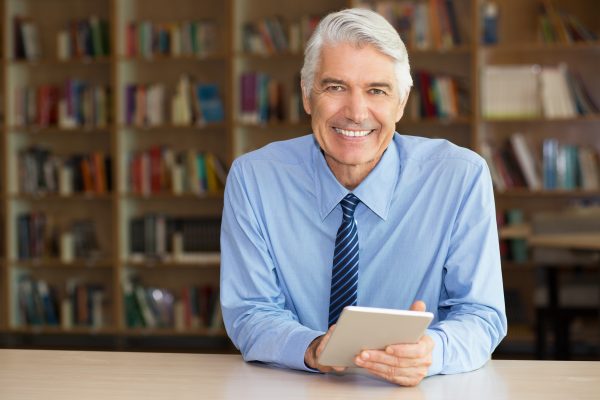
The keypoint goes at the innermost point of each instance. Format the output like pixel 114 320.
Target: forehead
pixel 354 63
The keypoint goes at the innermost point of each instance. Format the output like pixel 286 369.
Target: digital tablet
pixel 369 328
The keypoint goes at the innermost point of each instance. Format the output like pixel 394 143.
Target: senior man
pixel 357 214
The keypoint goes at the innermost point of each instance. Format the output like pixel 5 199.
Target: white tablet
pixel 364 328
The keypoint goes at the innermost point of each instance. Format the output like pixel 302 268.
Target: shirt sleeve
pixel 472 318
pixel 252 302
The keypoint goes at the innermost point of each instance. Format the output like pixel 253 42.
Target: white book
pixel 497 180
pixel 510 91
pixel 526 161
pixel 66 314
pixel 420 27
pixel 63 45
pixel 155 105
pixel 65 120
pixel 67 247
pixel 97 312
pixel 177 179
pixel 31 40
pixel 179 316
pixel 177 244
pixel 176 41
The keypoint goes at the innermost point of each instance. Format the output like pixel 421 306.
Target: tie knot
pixel 349 204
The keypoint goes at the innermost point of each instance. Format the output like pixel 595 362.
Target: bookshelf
pixel 226 59
pixel 521 43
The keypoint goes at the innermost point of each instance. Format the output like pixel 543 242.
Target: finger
pixel 391 372
pixel 420 349
pixel 398 380
pixel 418 306
pixel 324 341
pixel 321 347
pixel 382 357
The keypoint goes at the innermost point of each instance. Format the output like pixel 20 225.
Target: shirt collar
pixel 375 191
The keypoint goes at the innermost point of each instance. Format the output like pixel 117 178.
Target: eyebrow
pixel 328 81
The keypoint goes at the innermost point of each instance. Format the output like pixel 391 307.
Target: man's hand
pixel 402 364
pixel 315 349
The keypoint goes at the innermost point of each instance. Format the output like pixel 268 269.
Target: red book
pixel 427 105
pixel 100 173
pixel 155 168
pixel 131 39
pixel 86 172
pixel 136 179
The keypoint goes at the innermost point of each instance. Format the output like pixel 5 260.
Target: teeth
pixel 352 133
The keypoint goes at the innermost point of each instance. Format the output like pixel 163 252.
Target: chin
pixel 352 159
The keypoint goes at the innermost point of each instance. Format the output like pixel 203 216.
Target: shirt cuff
pixel 298 342
pixel 437 355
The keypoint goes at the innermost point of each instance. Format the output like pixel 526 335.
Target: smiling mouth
pixel 353 133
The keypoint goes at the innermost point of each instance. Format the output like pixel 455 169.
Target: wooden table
pixel 54 374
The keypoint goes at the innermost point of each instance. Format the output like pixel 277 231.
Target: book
pixel 526 160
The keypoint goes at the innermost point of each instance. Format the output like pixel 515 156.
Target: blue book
pixel 550 155
pixel 210 102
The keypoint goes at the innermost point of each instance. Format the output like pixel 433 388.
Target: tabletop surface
pixel 54 374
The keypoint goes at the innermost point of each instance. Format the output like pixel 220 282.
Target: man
pixel 358 214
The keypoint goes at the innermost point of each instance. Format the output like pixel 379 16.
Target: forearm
pixel 465 340
pixel 269 336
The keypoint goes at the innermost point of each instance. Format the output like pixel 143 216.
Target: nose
pixel 356 108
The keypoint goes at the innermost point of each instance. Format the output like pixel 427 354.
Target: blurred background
pixel 119 120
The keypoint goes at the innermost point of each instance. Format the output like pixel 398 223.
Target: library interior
pixel 119 120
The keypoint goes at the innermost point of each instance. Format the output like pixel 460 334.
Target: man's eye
pixel 335 88
pixel 377 92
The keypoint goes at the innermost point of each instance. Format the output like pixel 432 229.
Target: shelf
pixel 75 330
pixel 530 265
pixel 581 118
pixel 516 231
pixel 462 49
pixel 271 56
pixel 174 332
pixel 172 196
pixel 54 129
pixel 274 125
pixel 436 121
pixel 205 260
pixel 168 58
pixel 541 47
pixel 57 264
pixel 44 62
pixel 163 127
pixel 58 197
pixel 547 193
pixel 518 266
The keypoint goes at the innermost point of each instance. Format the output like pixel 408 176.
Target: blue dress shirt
pixel 427 231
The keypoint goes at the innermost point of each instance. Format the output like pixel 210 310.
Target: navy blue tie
pixel 344 274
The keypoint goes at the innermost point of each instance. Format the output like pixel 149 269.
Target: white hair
pixel 358 27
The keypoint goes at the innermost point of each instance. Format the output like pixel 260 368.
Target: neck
pixel 350 176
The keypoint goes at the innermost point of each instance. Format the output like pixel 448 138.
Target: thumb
pixel 418 306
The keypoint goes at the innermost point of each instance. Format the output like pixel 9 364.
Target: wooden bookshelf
pixel 518 44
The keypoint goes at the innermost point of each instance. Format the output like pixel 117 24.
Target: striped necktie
pixel 344 274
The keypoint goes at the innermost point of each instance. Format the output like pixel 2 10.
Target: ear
pixel 401 106
pixel 305 97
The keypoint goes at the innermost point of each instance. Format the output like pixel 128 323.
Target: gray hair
pixel 359 27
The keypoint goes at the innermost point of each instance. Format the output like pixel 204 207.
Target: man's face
pixel 354 105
